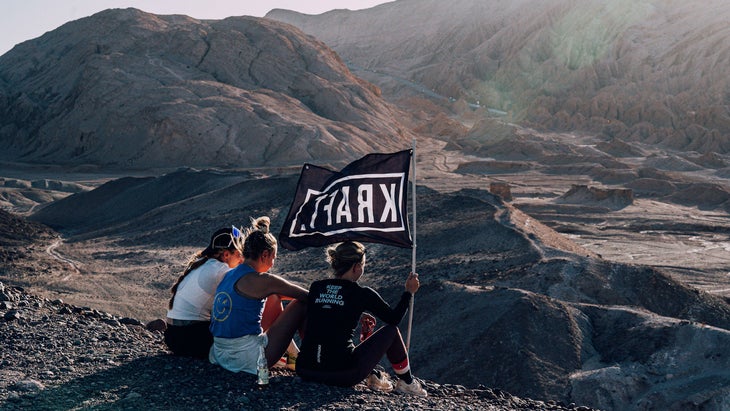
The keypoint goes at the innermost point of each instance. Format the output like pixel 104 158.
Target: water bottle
pixel 262 368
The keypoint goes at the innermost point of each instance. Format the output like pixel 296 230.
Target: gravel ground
pixel 55 356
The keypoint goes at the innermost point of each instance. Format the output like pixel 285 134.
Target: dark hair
pixel 219 242
pixel 258 238
pixel 344 255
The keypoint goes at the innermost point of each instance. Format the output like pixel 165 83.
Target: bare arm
pixel 265 284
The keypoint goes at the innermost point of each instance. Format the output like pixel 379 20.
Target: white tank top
pixel 194 297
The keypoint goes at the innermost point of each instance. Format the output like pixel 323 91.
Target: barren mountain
pixel 653 71
pixel 585 267
pixel 506 302
pixel 128 89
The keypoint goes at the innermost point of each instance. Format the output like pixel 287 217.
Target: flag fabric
pixel 365 201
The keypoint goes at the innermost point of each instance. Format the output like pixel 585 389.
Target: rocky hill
pixel 129 89
pixel 506 302
pixel 653 71
pixel 59 356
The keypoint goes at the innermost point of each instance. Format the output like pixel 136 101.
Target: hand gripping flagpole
pixel 413 254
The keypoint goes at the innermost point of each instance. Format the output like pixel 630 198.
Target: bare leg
pixel 282 330
pixel 272 310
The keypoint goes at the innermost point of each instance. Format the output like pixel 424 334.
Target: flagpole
pixel 413 254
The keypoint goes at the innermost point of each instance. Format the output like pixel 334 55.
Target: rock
pixel 130 321
pixel 111 321
pixel 702 194
pixel 29 386
pixel 613 198
pixel 157 325
pixel 12 315
pixel 502 190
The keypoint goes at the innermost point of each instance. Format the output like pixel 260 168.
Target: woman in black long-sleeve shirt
pixel 328 354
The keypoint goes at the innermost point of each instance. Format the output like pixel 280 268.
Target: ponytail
pixel 221 240
pixel 196 261
pixel 258 238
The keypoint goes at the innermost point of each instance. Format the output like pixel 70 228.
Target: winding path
pixel 51 250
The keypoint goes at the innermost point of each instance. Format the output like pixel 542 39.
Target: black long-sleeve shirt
pixel 333 312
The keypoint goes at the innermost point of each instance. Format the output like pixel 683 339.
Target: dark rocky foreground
pixel 57 356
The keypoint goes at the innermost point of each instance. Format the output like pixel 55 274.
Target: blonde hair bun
pixel 262 224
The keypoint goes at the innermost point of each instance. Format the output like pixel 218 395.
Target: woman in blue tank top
pixel 239 304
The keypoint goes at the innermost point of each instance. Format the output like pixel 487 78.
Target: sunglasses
pixel 234 234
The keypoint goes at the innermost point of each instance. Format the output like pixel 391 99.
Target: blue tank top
pixel 233 315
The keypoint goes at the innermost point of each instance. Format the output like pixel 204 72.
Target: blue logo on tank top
pixel 222 306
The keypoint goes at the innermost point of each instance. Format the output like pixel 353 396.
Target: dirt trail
pixel 53 252
pixel 435 167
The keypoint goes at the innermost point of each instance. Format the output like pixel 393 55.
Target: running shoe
pixel 379 381
pixel 414 388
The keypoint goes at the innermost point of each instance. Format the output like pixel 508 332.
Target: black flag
pixel 365 201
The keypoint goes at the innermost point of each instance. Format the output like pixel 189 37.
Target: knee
pixel 298 306
pixel 391 330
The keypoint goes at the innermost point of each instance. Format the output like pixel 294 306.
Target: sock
pixel 403 371
pixel 292 350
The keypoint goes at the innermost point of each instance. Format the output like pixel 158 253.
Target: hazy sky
pixel 22 20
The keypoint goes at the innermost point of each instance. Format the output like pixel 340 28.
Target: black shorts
pixel 192 340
